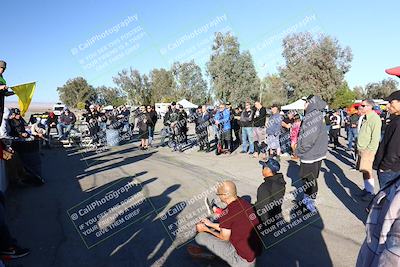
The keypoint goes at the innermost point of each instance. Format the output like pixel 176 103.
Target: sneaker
pixel 198 252
pixel 309 203
pixel 243 152
pixel 367 197
pixel 14 252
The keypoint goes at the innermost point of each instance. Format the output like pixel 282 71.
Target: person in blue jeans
pixel 352 130
pixel 387 159
pixel 246 121
pixel 223 119
pixel 65 123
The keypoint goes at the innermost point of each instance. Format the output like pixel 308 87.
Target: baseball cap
pixel 173 103
pixel 271 164
pixel 16 111
pixel 228 103
pixel 393 96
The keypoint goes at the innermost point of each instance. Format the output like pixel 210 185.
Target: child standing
pixel 294 134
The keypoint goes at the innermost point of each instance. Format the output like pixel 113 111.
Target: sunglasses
pixel 221 194
pixel 364 106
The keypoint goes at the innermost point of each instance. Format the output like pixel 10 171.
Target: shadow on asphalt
pixel 337 181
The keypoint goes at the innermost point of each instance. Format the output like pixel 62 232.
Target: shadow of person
pixel 125 161
pixel 146 241
pixel 300 241
pixel 337 181
pixel 343 157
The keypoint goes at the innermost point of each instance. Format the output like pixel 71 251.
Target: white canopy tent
pixel 187 104
pixel 297 105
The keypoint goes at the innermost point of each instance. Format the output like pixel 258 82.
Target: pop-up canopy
pixel 186 104
pixel 394 71
pixel 297 105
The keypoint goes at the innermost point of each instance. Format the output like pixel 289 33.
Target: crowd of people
pixel 268 135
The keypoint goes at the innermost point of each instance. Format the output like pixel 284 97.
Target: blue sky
pixel 52 41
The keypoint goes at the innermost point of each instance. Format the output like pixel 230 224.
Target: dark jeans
pixel 334 136
pixel 63 130
pixel 385 177
pixel 5 237
pixel 151 134
pixel 351 136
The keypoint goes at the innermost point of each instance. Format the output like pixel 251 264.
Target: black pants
pixel 5 237
pixel 202 137
pixel 238 138
pixel 309 173
pixel 226 139
pixel 334 136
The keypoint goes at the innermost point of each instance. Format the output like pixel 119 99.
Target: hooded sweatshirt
pixel 312 144
pixel 268 194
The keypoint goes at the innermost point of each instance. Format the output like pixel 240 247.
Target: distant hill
pixel 33 108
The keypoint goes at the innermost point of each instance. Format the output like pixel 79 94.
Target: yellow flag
pixel 25 94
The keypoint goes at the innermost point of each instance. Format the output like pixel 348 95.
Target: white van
pixel 58 109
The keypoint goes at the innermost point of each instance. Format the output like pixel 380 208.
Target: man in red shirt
pixel 234 239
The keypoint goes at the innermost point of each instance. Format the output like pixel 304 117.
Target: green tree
pixel 189 82
pixel 247 85
pixel 344 97
pixel 360 92
pixel 76 90
pixel 163 85
pixel 314 65
pixel 110 96
pixel 273 90
pixel 233 75
pixel 381 89
pixel 136 87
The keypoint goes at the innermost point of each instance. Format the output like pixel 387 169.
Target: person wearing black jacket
pixel 235 122
pixel 260 134
pixel 152 122
pixel 182 125
pixel 202 122
pixel 246 121
pixel 270 192
pixel 387 158
pixel 171 119
pixel 17 125
pixel 143 125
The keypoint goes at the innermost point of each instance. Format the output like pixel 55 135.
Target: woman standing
pixel 143 125
pixel 152 122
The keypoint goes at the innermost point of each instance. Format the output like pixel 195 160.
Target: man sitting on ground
pixel 66 121
pixel 234 238
pixel 271 191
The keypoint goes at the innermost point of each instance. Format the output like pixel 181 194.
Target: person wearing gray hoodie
pixel 312 148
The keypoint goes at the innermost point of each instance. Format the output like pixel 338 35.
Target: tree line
pixel 312 64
